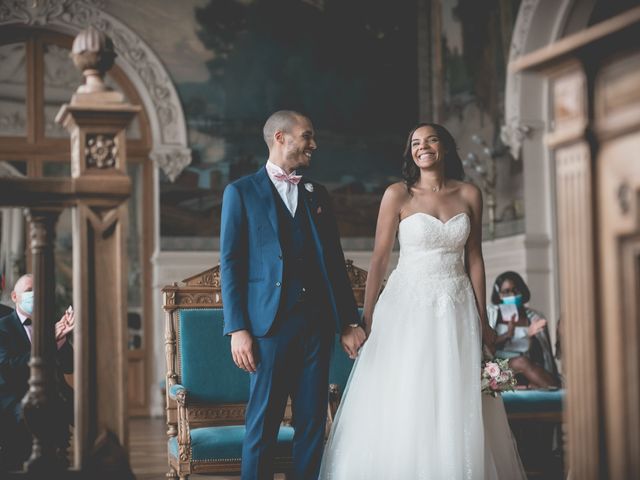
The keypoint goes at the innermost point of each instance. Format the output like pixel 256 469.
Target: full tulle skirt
pixel 412 408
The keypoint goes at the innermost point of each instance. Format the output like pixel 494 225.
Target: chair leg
pixel 171 473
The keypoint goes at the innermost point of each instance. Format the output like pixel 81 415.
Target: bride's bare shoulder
pixel 471 195
pixel 467 190
pixel 397 190
pixel 395 196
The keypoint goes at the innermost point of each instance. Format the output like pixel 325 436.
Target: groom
pixel 285 291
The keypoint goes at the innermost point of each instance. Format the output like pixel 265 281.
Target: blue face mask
pixel 513 300
pixel 26 303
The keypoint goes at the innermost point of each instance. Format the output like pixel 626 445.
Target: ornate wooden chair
pixel 205 392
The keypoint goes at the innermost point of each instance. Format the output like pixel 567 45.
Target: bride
pixel 413 408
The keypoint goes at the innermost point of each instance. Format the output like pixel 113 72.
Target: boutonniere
pixel 308 186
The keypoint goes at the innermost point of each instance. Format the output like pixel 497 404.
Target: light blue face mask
pixel 26 303
pixel 513 300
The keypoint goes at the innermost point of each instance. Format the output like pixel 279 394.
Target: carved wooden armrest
pixel 179 394
pixel 332 407
pixel 334 400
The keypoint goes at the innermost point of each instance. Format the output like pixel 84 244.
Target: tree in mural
pixel 349 64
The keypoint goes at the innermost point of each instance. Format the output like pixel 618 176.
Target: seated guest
pixel 523 337
pixel 15 352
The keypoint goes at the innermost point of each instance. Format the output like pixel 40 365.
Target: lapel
pixel 17 325
pixel 308 201
pixel 265 193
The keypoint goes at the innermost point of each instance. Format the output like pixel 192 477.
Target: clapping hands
pixel 65 325
pixel 537 327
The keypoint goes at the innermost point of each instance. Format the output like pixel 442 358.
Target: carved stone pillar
pixel 41 405
pixel 97 118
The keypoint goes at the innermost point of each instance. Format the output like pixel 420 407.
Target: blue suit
pixel 284 280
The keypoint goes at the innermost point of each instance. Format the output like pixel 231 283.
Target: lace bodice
pixel 434 247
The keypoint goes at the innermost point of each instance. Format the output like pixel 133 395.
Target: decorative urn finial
pixel 93 53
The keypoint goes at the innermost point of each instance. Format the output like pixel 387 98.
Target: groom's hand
pixel 352 339
pixel 242 350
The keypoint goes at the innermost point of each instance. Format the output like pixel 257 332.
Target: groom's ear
pixel 278 136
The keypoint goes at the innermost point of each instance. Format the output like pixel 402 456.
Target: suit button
pixel 280 256
pixel 278 284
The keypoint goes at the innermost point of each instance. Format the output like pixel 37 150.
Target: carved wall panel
pixel 574 198
pixel 619 233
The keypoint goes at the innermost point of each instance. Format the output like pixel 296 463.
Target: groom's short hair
pixel 281 120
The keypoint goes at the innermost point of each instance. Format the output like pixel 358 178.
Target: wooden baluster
pixel 41 405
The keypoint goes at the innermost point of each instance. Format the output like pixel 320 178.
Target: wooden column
pixel 99 271
pixel 96 119
pixel 41 405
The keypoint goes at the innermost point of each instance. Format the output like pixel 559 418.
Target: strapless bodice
pixel 431 246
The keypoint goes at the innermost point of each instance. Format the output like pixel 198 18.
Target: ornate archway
pixel 170 151
pixel 166 126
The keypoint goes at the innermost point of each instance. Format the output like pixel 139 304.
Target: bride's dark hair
pixel 452 162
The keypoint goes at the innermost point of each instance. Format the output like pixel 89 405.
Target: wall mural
pixel 349 65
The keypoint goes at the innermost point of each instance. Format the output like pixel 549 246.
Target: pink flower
pixel 493 384
pixel 492 369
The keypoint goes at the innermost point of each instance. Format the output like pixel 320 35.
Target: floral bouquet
pixel 497 377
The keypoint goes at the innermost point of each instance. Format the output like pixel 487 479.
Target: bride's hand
pixel 366 324
pixel 489 339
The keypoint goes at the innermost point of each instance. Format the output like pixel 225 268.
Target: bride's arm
pixel 475 263
pixel 386 228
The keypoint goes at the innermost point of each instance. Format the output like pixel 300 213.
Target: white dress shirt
pixel 28 329
pixel 288 191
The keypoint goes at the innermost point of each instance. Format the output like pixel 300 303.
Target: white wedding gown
pixel 412 408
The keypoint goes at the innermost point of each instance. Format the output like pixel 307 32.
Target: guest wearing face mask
pixel 523 336
pixel 15 353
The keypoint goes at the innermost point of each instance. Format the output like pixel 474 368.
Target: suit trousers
pixel 293 360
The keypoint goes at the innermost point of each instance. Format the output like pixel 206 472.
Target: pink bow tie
pixel 291 178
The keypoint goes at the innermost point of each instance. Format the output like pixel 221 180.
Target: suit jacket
pixel 15 353
pixel 4 310
pixel 251 257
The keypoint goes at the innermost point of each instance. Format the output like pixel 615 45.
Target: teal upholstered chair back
pixel 202 345
pixel 199 355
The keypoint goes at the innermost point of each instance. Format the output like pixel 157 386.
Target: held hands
pixel 242 350
pixel 352 339
pixel 537 327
